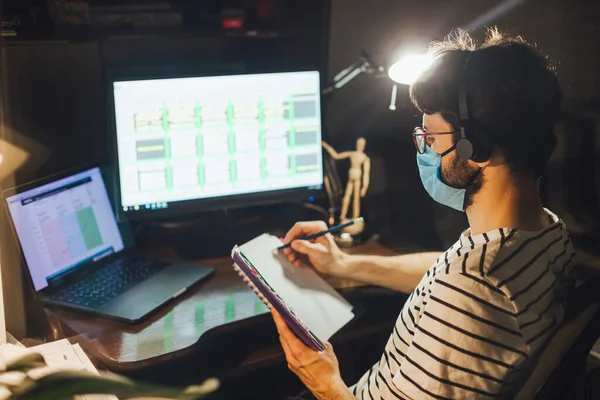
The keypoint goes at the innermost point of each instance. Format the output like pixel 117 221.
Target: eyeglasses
pixel 422 138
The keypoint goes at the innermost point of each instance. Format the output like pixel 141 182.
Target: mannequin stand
pixel 356 188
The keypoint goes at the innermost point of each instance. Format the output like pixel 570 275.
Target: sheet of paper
pixel 85 361
pixel 63 354
pixel 59 354
pixel 317 304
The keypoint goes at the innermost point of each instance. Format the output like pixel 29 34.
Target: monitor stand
pixel 212 235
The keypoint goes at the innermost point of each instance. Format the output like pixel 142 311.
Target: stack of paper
pixel 64 355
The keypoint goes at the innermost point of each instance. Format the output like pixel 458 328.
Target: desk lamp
pixel 404 72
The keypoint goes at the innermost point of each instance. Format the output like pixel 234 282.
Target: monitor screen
pixel 217 137
pixel 64 224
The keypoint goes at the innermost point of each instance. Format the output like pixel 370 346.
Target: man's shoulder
pixel 473 254
pixel 530 245
pixel 532 261
pixel 503 256
pixel 468 266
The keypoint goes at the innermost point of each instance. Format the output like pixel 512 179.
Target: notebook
pixel 313 310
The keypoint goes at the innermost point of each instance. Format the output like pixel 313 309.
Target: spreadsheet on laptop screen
pixel 64 224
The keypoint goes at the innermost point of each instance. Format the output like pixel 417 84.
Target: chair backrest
pixel 563 360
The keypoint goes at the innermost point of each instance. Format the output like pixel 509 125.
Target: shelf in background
pixel 99 35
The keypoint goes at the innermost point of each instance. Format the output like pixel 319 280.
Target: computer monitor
pixel 190 144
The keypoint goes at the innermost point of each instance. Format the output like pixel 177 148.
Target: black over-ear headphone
pixel 470 146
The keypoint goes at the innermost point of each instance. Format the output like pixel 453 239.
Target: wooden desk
pixel 221 304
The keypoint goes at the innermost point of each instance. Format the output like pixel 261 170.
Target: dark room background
pixel 52 91
pixel 567 31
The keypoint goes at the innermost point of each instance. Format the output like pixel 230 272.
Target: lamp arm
pixel 363 65
pixel 343 77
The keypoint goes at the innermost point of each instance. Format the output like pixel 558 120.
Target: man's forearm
pixel 402 273
pixel 337 391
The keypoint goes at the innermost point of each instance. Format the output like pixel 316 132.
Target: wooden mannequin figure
pixel 358 181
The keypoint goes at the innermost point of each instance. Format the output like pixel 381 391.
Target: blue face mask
pixel 429 168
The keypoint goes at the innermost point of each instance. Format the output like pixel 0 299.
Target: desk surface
pixel 220 304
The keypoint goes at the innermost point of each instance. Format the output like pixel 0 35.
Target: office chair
pixel 560 368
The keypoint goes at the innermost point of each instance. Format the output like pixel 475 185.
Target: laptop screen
pixel 64 224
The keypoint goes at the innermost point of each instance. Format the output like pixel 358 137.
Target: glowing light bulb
pixel 408 69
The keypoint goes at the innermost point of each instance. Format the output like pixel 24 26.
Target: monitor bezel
pixel 198 206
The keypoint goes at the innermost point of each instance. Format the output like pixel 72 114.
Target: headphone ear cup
pixel 484 145
pixel 464 149
pixel 476 145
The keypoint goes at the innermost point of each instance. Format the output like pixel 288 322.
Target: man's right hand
pixel 323 254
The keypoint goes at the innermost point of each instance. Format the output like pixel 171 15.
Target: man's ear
pixel 484 163
pixel 497 158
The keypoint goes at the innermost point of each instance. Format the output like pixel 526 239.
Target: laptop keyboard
pixel 109 282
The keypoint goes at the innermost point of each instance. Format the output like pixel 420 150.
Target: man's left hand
pixel 319 371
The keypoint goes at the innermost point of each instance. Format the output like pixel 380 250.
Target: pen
pixel 333 229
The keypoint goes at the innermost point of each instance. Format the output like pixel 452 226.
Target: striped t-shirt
pixel 482 311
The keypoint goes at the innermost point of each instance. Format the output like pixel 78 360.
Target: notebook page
pixel 317 304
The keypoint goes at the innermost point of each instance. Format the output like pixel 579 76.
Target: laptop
pixel 76 254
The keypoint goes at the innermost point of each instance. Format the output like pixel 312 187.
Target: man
pixel 478 313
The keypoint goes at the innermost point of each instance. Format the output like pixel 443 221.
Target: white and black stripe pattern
pixel 483 309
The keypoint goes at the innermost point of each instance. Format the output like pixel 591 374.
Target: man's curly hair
pixel 513 94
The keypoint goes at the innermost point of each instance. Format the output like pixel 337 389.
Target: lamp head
pixel 407 70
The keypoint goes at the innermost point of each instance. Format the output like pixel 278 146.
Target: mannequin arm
pixel 366 176
pixel 334 154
